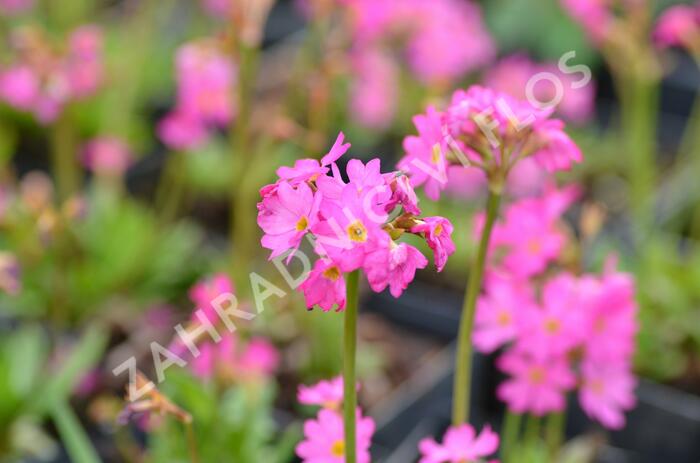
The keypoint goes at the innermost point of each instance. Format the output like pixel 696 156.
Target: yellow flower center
pixel 438 230
pixel 332 273
pixel 437 154
pixel 534 246
pixel 338 448
pixel 357 232
pixel 303 223
pixel 597 386
pixel 536 375
pixel 503 318
pixel 552 325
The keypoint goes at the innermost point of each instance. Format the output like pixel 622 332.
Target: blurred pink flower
pixel 607 390
pixel 107 156
pixel 679 25
pixel 460 445
pixel 511 75
pixel 324 440
pixel 536 386
pixel 207 290
pixel 374 88
pixel 19 87
pixel 327 394
pixel 181 131
pixel 594 16
pixel 14 7
pixel 234 360
pixel 10 282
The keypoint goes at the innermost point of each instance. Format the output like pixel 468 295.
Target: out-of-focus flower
pixel 606 392
pixel 679 26
pixel 205 95
pixel 107 156
pixel 512 74
pixel 536 386
pixel 10 282
pixel 326 394
pixel 15 7
pixel 460 444
pixel 206 291
pixel 234 360
pixel 595 16
pixel 36 191
pixel 373 95
pixel 43 80
pixel 324 440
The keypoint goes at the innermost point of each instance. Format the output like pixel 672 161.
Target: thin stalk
pixel 533 426
pixel 349 377
pixel 463 366
pixel 191 442
pixel 171 188
pixel 64 155
pixel 510 433
pixel 555 433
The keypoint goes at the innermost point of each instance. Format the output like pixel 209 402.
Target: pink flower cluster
pixel 351 224
pixel 108 156
pixel 324 436
pixel 426 33
pixel 231 358
pixel 562 332
pixel 460 445
pixel 42 81
pixel 15 7
pixel 511 75
pixel 488 130
pixel 205 95
pixel 679 26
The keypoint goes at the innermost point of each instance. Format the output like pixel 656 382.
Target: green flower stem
pixel 171 187
pixel 533 426
pixel 510 433
pixel 349 378
pixel 64 157
pixel 556 423
pixel 463 366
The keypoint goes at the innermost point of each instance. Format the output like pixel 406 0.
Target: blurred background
pixel 122 209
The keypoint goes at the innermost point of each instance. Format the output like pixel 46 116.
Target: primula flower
pixel 559 325
pixel 374 90
pixel 485 129
pixel 107 156
pixel 325 286
pixel 348 219
pixel 536 386
pixel 438 234
pixel 324 440
pixel 182 131
pixel 286 216
pixel 232 359
pixel 499 312
pixel 595 16
pixel 327 394
pixel 679 25
pixel 14 7
pixel 607 390
pixel 460 445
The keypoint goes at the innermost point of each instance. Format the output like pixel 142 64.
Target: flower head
pixel 324 439
pixel 679 25
pixel 327 394
pixel 460 445
pixel 107 156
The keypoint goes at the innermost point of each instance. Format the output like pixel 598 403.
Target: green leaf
pixel 73 435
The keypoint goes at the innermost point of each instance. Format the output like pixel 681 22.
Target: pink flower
pixel 374 89
pixel 231 359
pixel 206 291
pixel 607 391
pixel 286 216
pixel 403 193
pixel 559 325
pixel 460 445
pixel 14 7
pixel 511 75
pixel 536 386
pixel 325 286
pixel 311 169
pixel 393 266
pixel 325 442
pixel 182 131
pixel 84 68
pixel 425 161
pixel 327 394
pixel 679 25
pixel 499 310
pixel 438 235
pixel 218 8
pixel 10 281
pixel 205 78
pixel 107 155
pixel 19 87
pixel 432 53
pixel 595 16
pixel 259 359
